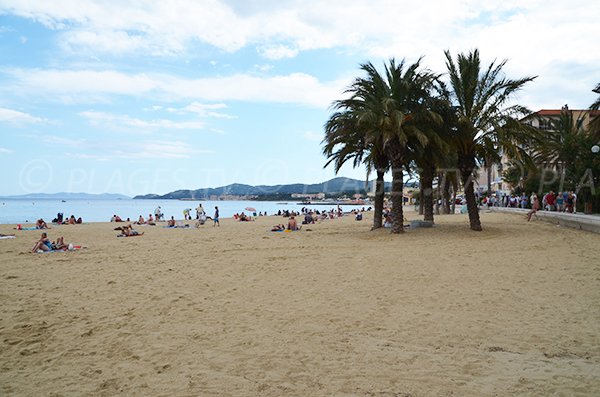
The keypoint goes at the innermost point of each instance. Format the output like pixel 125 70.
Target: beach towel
pixel 29 228
pixel 71 248
pixel 131 235
pixel 6 237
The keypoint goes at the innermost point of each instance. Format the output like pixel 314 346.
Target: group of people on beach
pixel 561 201
pixel 159 216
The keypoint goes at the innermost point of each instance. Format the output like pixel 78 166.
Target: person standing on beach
pixel 535 206
pixel 216 217
pixel 199 211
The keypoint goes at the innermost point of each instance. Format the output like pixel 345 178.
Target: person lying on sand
pixel 59 244
pixel 278 228
pixel 128 231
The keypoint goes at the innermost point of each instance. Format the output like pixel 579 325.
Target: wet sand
pixel 331 310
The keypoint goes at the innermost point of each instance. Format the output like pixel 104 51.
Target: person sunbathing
pixel 293 224
pixel 278 228
pixel 150 220
pixel 41 224
pixel 43 244
pixel 130 231
pixel 171 222
pixel 59 244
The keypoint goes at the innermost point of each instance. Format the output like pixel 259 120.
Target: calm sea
pixel 23 211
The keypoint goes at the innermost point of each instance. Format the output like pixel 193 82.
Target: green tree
pixel 482 102
pixel 346 139
pixel 397 107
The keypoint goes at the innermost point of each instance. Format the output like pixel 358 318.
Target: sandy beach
pixel 332 310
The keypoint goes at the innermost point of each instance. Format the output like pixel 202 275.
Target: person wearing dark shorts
pixel 216 217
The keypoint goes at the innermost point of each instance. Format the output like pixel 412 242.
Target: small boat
pixel 64 201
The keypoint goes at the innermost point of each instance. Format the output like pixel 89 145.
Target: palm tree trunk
pixel 420 198
pixel 467 165
pixel 446 195
pixel 397 198
pixel 489 177
pixel 454 189
pixel 379 196
pixel 427 186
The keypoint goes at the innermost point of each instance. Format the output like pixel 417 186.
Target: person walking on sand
pixel 535 206
pixel 216 217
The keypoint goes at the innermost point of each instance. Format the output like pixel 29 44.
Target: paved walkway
pixel 590 223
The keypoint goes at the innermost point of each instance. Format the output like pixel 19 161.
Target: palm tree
pixel 481 99
pixel 346 139
pixel 396 109
pixel 595 122
pixel 435 154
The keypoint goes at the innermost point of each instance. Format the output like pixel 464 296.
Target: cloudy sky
pixel 139 97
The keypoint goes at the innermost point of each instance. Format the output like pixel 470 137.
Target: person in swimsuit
pixel 535 206
pixel 216 217
pixel 293 224
pixel 43 244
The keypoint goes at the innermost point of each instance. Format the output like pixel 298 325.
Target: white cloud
pixel 17 117
pixel 283 28
pixel 102 150
pixel 296 88
pixel 5 150
pixel 203 110
pixel 535 35
pixel 118 122
pixel 158 149
pixel 278 51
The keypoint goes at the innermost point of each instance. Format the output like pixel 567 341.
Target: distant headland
pixel 236 191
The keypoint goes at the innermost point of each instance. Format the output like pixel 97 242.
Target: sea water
pixel 29 210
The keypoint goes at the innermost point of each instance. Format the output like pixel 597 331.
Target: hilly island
pixel 336 186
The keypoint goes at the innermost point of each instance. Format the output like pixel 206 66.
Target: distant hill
pixel 336 185
pixel 71 196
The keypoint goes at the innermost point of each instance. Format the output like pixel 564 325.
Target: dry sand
pixel 334 311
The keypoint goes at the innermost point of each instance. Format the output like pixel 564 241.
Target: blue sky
pixel 150 97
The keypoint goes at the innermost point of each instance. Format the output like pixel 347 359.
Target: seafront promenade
pixel 590 223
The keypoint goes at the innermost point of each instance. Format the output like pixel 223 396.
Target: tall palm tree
pixel 397 109
pixel 556 146
pixel 481 99
pixel 346 139
pixel 435 154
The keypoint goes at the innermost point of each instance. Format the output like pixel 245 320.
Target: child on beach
pixel 535 206
pixel 216 218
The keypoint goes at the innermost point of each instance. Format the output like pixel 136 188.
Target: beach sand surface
pixel 332 310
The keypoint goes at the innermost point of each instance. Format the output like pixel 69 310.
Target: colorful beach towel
pixel 71 248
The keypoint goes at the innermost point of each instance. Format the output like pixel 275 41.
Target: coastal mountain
pixel 70 196
pixel 336 185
